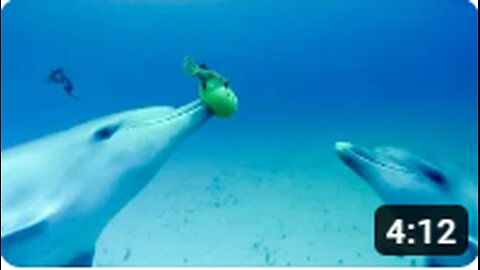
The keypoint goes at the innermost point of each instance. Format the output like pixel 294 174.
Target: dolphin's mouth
pixel 350 151
pixel 188 110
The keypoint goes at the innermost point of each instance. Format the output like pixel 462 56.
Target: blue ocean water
pixel 263 187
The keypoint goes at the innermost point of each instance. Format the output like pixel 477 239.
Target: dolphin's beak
pixel 342 147
pixel 196 110
pixel 189 117
pixel 360 159
pixel 351 153
pixel 346 152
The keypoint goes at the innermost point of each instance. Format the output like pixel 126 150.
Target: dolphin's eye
pixel 434 175
pixel 106 133
pixel 226 84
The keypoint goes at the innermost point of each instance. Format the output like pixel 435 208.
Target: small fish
pixel 58 76
pixel 215 90
pixel 68 87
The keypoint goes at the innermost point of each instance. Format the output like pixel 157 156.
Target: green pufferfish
pixel 214 91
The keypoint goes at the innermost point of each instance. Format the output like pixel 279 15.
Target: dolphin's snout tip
pixel 343 146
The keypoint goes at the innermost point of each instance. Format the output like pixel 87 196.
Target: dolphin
pixel 58 193
pixel 400 177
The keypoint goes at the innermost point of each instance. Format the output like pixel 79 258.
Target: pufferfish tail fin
pixel 189 66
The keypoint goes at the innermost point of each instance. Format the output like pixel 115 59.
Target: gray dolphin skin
pixel 400 177
pixel 58 193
